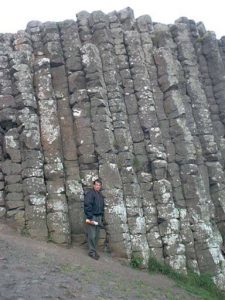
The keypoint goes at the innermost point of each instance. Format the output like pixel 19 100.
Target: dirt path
pixel 31 269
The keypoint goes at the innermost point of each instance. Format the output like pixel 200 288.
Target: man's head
pixel 97 185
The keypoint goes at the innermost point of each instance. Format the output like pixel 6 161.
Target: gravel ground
pixel 33 270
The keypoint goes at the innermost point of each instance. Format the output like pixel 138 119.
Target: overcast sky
pixel 15 14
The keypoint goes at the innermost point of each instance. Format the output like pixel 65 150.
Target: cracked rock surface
pixel 137 103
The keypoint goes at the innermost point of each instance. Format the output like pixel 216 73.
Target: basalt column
pixel 11 194
pixel 34 188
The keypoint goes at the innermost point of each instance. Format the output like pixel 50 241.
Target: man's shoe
pixel 96 254
pixel 93 255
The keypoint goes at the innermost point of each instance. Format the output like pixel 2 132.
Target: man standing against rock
pixel 94 211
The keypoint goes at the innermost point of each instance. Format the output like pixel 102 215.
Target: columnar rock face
pixel 140 105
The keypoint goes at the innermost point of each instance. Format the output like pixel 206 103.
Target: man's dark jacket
pixel 93 204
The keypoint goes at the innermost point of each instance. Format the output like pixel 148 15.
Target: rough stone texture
pixel 137 103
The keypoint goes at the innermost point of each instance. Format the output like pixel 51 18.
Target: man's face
pixel 97 186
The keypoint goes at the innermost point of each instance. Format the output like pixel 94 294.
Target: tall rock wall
pixel 137 103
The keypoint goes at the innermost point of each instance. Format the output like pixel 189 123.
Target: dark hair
pixel 97 180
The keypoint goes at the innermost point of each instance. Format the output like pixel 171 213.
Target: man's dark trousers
pixel 93 234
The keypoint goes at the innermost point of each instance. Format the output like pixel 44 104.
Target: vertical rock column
pixel 61 87
pixel 2 198
pixel 32 159
pixel 153 151
pixel 218 126
pixel 64 141
pixel 169 227
pixel 129 140
pixel 132 155
pixel 79 100
pixel 4 106
pixel 179 133
pixel 85 168
pixel 160 154
pixel 2 183
pixel 215 170
pixel 73 72
pixel 57 208
pixel 222 48
pixel 83 27
pixel 45 45
pixel 104 146
pixel 205 229
pixel 136 175
pixel 12 190
pixel 216 70
pixel 123 141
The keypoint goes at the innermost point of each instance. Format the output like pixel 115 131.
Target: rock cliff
pixel 137 103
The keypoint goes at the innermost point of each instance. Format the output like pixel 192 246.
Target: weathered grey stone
pixel 29 162
pixel 2 198
pixel 36 221
pixel 43 80
pixel 58 227
pixel 53 51
pixel 138 104
pixel 11 140
pixel 36 199
pixel 110 174
pixel 10 179
pixel 29 172
pixel 135 128
pixel 159 169
pixel 31 139
pixel 76 81
pixel 14 196
pixel 15 187
pixel 13 204
pixel 67 131
pixel 34 186
pixel 53 170
pixel 2 212
pixel 7 115
pixel 56 186
pixel 10 168
pixel 108 138
pixel 27 119
pixel 74 190
pixel 57 203
pixel 1 176
pixel 90 58
pixel 88 176
pixel 144 23
pixel 2 185
pixel 6 101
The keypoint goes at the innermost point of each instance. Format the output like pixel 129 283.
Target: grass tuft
pixel 201 285
pixel 136 262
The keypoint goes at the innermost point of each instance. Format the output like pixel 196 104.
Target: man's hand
pixel 91 222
